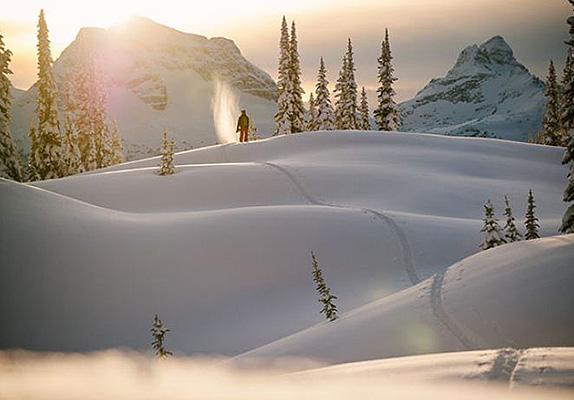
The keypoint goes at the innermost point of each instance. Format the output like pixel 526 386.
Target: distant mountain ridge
pixel 486 93
pixel 160 78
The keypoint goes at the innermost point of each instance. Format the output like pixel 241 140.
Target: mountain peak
pixel 487 93
pixel 493 56
pixel 498 50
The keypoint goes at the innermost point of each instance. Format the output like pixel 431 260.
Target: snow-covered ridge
pixel 486 93
pixel 160 78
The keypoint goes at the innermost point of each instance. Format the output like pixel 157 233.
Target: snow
pixel 221 250
pixel 518 295
pixel 534 366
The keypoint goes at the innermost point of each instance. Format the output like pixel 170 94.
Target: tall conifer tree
pixel 568 124
pixel 511 232
pixel 552 128
pixel 297 115
pixel 312 115
pixel 346 93
pixel 386 113
pixel 325 114
pixel 284 104
pixel 531 221
pixel 364 122
pixel 10 162
pixel 48 147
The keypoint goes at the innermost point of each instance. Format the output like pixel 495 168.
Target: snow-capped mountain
pixel 487 93
pixel 159 78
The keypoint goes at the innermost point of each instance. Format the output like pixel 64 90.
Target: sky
pixel 426 35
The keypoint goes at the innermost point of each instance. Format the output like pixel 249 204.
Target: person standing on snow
pixel 243 127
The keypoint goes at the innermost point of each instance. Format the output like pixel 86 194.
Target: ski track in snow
pixel 504 365
pixel 405 247
pixel 441 314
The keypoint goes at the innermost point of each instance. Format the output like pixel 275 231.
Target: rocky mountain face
pixel 487 93
pixel 159 78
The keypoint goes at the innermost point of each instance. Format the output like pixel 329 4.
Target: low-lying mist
pixel 124 376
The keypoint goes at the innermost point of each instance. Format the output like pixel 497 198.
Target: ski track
pixel 504 366
pixel 440 312
pixel 406 252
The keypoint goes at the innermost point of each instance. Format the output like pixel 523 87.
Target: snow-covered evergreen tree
pixel 48 147
pixel 32 164
pixel 326 299
pixel 70 150
pixel 81 108
pixel 284 104
pixel 10 162
pixel 531 221
pixel 158 333
pixel 511 232
pixel 493 235
pixel 98 116
pixel 116 149
pixel 568 218
pixel 566 101
pixel 297 116
pixel 386 113
pixel 167 147
pixel 364 123
pixel 312 115
pixel 552 127
pixel 568 124
pixel 346 93
pixel 325 115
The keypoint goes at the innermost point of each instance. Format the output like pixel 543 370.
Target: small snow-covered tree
pixel 493 235
pixel 284 104
pixel 531 221
pixel 252 134
pixel 511 232
pixel 297 115
pixel 115 146
pixel 10 162
pixel 325 297
pixel 346 93
pixel 552 127
pixel 167 166
pixel 158 332
pixel 386 113
pixel 364 122
pixel 312 114
pixel 48 144
pixel 325 120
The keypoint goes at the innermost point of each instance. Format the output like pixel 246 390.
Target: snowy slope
pixel 516 295
pixel 486 93
pixel 534 366
pixel 159 78
pixel 221 249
